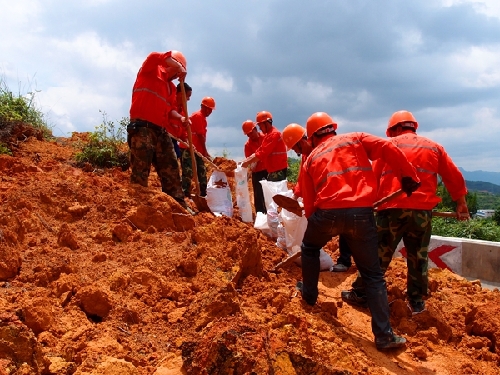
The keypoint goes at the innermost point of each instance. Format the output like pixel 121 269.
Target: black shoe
pixel 300 287
pixel 417 307
pixel 354 298
pixel 395 343
pixel 339 267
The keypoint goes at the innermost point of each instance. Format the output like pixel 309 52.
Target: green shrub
pixel 293 169
pixel 106 147
pixel 4 150
pixel 20 109
pixel 477 229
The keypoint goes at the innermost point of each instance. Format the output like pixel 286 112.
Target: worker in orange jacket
pixel 295 138
pixel 339 188
pixel 272 151
pixel 410 218
pixel 258 168
pixel 153 107
pixel 199 136
pixel 175 127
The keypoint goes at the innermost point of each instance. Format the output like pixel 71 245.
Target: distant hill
pixel 482 186
pixel 492 177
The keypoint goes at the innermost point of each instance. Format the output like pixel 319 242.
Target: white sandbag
pixel 242 194
pixel 325 260
pixel 219 198
pixel 295 227
pixel 270 189
pixel 261 223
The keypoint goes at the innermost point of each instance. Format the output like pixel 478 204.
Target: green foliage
pixel 293 169
pixel 496 215
pixel 447 203
pixel 478 229
pixel 4 150
pixel 106 145
pixel 487 200
pixel 19 108
pixel 225 153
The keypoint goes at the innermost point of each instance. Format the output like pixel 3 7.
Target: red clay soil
pixel 101 277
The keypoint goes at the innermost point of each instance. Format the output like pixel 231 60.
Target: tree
pixel 496 215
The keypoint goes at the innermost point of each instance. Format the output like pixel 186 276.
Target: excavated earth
pixel 98 276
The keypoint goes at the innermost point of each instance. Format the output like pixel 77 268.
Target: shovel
pixel 200 202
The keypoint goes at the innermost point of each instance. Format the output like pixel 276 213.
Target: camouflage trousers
pixel 151 145
pixel 414 227
pixel 277 175
pixel 187 173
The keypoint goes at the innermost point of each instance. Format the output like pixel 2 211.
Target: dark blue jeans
pixel 357 226
pixel 345 252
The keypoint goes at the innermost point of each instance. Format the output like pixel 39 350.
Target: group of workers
pixel 158 132
pixel 340 178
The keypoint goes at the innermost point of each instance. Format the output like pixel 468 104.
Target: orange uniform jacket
pixel 251 147
pixel 272 151
pixel 153 95
pixel 199 132
pixel 297 189
pixel 175 126
pixel 430 160
pixel 338 173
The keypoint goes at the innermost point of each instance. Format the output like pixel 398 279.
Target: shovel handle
pixel 205 159
pixel 448 214
pixel 287 261
pixel 388 198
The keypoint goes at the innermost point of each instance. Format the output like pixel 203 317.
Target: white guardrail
pixel 468 258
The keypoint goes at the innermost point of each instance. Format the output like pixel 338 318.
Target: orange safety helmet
pixel 399 117
pixel 292 134
pixel 179 57
pixel 317 121
pixel 248 126
pixel 208 101
pixel 264 116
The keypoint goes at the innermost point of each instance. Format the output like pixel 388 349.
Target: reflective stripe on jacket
pixel 153 95
pixel 338 172
pixel 251 147
pixel 272 151
pixel 430 159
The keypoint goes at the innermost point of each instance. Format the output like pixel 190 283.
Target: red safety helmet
pixel 317 121
pixel 292 134
pixel 399 117
pixel 208 101
pixel 264 116
pixel 179 57
pixel 248 126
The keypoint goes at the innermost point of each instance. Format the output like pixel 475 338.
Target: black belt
pixel 145 124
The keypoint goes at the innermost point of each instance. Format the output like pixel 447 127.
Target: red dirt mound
pixel 101 277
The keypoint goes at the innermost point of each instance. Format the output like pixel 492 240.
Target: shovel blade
pixel 288 204
pixel 201 203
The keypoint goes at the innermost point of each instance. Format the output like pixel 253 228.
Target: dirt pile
pixel 101 277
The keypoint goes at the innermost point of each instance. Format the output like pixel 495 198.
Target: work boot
pixel 417 307
pixel 395 342
pixel 339 267
pixel 354 298
pixel 300 287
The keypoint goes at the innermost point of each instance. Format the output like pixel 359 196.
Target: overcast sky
pixel 358 60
